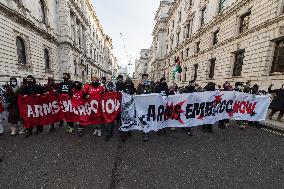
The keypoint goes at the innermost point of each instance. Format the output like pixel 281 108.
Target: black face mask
pixel 78 87
pixel 13 83
pixel 65 79
pixel 30 82
pixel 96 83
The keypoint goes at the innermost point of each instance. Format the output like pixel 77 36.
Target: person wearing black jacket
pixel 128 89
pixel 208 127
pixel 119 84
pixel 32 89
pixel 191 88
pixel 222 123
pixel 145 87
pixel 66 87
pixel 50 87
pixel 129 86
pixel 277 103
pixel 163 89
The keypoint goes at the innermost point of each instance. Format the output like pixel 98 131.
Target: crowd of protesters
pixel 9 112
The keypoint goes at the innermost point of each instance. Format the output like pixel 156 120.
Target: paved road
pixel 228 158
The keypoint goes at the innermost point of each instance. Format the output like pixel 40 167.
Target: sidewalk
pixel 273 124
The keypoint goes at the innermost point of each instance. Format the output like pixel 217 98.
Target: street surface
pixel 229 158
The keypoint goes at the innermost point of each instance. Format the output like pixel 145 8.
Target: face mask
pixel 78 87
pixel 65 78
pixel 30 82
pixel 13 83
pixel 96 83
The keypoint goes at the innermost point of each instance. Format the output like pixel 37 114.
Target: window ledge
pixel 22 65
pixel 236 77
pixel 48 71
pixel 276 73
pixel 210 79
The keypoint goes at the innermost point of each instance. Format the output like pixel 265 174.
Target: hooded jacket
pixel 32 89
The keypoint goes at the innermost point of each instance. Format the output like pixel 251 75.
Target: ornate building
pixel 46 38
pixel 142 64
pixel 220 40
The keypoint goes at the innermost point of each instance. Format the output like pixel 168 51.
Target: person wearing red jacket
pixel 95 87
pixel 78 94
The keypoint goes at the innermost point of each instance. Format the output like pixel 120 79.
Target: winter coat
pixel 119 86
pixel 278 101
pixel 163 89
pixel 129 88
pixel 32 90
pixel 144 89
pixel 91 89
pixel 65 88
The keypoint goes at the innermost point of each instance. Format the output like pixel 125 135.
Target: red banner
pixel 47 109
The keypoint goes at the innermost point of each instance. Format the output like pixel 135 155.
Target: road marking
pixel 274 132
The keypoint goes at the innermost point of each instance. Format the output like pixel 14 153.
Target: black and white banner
pixel 153 112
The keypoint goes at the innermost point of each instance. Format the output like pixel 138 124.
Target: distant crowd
pixel 9 111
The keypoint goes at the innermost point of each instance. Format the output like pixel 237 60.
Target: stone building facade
pixel 142 64
pixel 46 38
pixel 220 40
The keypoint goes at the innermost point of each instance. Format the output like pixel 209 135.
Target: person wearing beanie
pixel 66 87
pixel 145 87
pixel 129 86
pixel 78 95
pixel 119 84
pixel 32 88
pixel 103 80
pixel 50 87
pixel 209 127
pixel 162 89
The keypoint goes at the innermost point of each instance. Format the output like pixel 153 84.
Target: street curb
pixel 272 127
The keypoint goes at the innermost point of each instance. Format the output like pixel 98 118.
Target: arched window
pixel 42 11
pixel 21 51
pixel 46 59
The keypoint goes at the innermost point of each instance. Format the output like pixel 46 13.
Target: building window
pixel 182 56
pixel 203 12
pixel 188 30
pixel 179 19
pixel 198 47
pixel 195 67
pixel 187 53
pixel 46 59
pixel 21 51
pixel 211 68
pixel 185 74
pixel 42 11
pixel 178 38
pixel 222 5
pixel 238 64
pixel 173 24
pixel 75 67
pixel 278 60
pixel 190 2
pixel 215 37
pixel 244 22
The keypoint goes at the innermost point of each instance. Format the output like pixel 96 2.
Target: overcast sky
pixel 134 19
